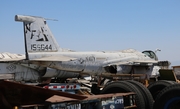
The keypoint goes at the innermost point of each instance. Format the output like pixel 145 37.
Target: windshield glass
pixel 151 54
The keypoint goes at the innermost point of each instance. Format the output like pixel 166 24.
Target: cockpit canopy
pixel 151 54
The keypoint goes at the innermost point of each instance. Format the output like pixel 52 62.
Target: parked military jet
pixel 42 49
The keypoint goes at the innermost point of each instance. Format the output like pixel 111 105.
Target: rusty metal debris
pixel 14 94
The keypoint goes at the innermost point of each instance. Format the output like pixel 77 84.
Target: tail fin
pixel 37 35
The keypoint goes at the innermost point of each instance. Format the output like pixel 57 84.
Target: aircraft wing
pixel 136 62
pixel 54 58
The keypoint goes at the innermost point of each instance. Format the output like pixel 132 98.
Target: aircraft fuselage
pixel 90 62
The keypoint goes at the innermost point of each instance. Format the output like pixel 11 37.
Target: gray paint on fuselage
pixel 88 62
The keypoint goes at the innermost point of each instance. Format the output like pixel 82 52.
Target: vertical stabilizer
pixel 37 35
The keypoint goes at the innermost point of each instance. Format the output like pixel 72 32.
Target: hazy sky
pixel 95 25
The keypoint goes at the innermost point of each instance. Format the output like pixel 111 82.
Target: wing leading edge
pixel 136 62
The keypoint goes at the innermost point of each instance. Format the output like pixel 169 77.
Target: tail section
pixel 37 35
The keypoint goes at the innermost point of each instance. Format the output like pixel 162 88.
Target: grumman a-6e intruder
pixel 41 48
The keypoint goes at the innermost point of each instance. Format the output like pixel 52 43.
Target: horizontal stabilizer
pixel 10 60
pixel 4 57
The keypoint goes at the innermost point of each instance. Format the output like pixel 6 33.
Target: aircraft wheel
pixel 145 92
pixel 123 87
pixel 157 86
pixel 168 98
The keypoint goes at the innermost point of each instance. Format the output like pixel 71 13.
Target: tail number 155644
pixel 41 47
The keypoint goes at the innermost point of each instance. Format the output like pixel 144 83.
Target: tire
pixel 157 86
pixel 123 87
pixel 145 93
pixel 168 98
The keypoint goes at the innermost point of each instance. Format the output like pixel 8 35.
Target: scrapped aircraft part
pixel 19 72
pixel 168 98
pixel 60 73
pixel 149 101
pixel 11 57
pixel 122 87
pixel 156 87
pixel 20 94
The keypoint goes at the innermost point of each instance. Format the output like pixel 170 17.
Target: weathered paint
pixel 20 73
pixel 14 67
pixel 42 49
pixel 11 57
